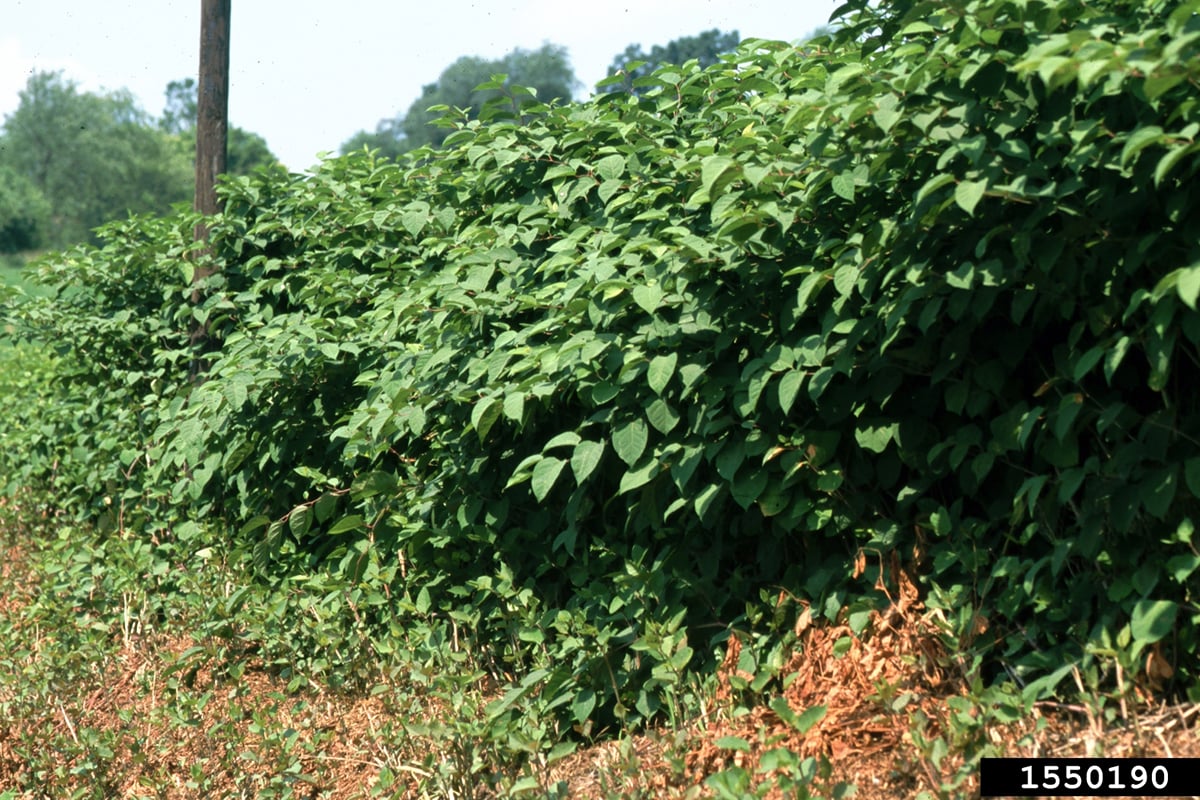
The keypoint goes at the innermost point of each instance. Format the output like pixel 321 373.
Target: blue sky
pixel 306 75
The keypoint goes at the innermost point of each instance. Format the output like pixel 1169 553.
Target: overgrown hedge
pixel 582 393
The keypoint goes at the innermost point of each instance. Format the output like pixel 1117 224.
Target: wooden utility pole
pixel 212 111
pixel 212 126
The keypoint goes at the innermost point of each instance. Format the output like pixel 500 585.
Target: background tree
pixel 24 213
pixel 547 71
pixel 706 47
pixel 92 157
pixel 246 151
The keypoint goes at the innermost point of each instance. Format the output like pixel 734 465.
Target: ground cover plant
pixel 586 400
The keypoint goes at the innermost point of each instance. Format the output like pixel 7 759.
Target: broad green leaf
pixel 1191 475
pixel 715 174
pixel 484 415
pixel 373 483
pixel 262 520
pixel 1169 161
pixel 705 500
pixel 629 440
pixel 648 296
pixel 585 458
pixel 414 221
pixel 1086 361
pixel 887 114
pixel 545 473
pixel 582 705
pixel 843 186
pixel 1114 357
pixel 1139 140
pixel 874 437
pixel 1152 620
pixel 514 406
pixel 967 195
pixel 638 477
pixel 1188 285
pixel 788 387
pixel 299 521
pixel 660 371
pixel 610 168
pixel 748 486
pixel 564 439
pixel 932 185
pixel 662 416
pixel 347 523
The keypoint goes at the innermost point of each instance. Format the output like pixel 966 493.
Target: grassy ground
pixel 125 677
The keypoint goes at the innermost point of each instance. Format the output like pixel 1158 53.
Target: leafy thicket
pixel 575 398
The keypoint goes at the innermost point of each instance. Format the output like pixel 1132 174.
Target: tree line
pixel 472 82
pixel 72 160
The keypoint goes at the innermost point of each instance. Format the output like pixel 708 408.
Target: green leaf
pixel 484 415
pixel 414 221
pixel 662 416
pixel 968 194
pixel 705 500
pixel 748 486
pixel 585 458
pixel 610 168
pixel 788 387
pixel 874 437
pixel 629 440
pixel 1169 161
pixel 514 406
pixel 640 476
pixel 1138 141
pixel 648 296
pixel 545 473
pixel 932 185
pixel 1152 620
pixel 1114 357
pixel 347 523
pixel 1086 361
pixel 1191 475
pixel 660 371
pixel 715 173
pixel 299 521
pixel 564 439
pixel 843 186
pixel 1188 285
pixel 262 520
pixel 582 705
pixel 887 114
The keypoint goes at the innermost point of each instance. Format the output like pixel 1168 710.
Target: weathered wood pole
pixel 212 126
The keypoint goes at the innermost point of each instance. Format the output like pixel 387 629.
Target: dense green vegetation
pixel 574 400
